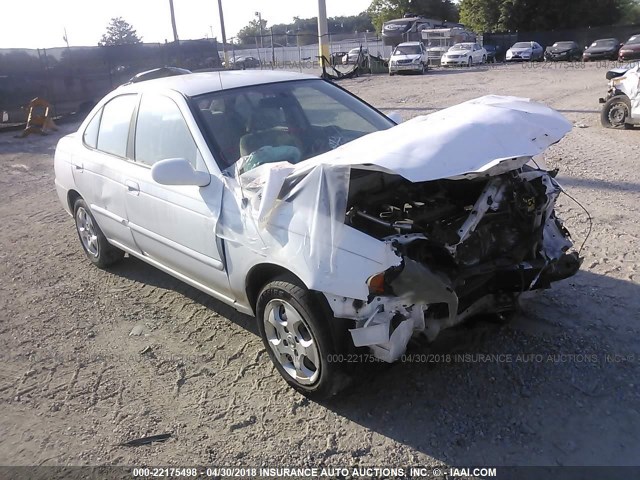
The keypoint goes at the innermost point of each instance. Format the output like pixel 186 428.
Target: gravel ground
pixel 562 387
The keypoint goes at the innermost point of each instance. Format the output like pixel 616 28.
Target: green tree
pixel 524 15
pixel 249 33
pixel 119 32
pixel 630 13
pixel 384 10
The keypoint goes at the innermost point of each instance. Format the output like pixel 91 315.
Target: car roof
pixel 408 44
pixel 198 83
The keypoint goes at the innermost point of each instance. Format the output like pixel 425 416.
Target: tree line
pixel 478 15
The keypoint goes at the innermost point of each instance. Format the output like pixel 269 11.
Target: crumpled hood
pixel 467 139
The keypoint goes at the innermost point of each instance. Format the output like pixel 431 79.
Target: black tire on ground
pixel 96 247
pixel 281 300
pixel 470 62
pixel 391 74
pixel 615 112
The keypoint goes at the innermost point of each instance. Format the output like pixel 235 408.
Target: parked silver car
pixel 290 199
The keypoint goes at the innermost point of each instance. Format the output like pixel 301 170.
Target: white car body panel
pixel 629 84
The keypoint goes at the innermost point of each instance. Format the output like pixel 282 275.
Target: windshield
pixel 563 44
pixel 634 40
pixel 407 50
pixel 462 46
pixel 287 121
pixel 522 45
pixel 604 43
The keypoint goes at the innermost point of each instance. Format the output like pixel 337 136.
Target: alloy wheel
pixel 292 342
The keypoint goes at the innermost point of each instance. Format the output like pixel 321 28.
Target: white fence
pixel 308 53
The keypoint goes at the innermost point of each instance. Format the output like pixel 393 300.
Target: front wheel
pixel 484 59
pixel 615 112
pixel 94 243
pixel 299 339
pixel 470 62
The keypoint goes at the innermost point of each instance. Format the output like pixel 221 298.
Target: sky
pixel 41 23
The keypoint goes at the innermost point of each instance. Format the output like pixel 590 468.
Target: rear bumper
pixel 63 195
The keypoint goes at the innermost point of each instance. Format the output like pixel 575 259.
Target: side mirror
pixel 178 171
pixel 395 117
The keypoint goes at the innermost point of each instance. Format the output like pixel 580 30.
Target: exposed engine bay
pixel 468 245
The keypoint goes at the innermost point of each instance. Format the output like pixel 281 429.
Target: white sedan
pixel 464 54
pixel 292 200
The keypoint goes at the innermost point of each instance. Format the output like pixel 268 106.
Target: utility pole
pixel 323 33
pixel 224 35
pixel 259 15
pixel 173 22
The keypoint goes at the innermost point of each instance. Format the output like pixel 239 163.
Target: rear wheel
pixel 299 338
pixel 615 112
pixel 94 243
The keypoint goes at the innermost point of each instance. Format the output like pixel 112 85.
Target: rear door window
pixel 114 125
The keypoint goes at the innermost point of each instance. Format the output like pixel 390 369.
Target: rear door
pixel 175 225
pixel 100 169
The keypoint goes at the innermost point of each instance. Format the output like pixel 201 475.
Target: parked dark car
pixel 603 49
pixel 495 53
pixel 244 62
pixel 563 51
pixel 631 49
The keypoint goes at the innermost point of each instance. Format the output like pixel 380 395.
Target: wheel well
pixel 259 276
pixel 72 197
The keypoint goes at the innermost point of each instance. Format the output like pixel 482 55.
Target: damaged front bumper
pixel 417 297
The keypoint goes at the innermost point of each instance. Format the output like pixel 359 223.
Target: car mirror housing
pixel 178 171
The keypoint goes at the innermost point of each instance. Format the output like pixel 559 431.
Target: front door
pixel 171 224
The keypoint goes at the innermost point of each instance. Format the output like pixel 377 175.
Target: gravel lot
pixel 75 384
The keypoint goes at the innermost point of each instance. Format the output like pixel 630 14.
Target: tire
pixel 422 70
pixel 391 74
pixel 484 59
pixel 615 112
pixel 95 245
pixel 470 62
pixel 299 339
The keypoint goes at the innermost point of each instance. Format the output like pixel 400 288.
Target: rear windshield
pixel 634 40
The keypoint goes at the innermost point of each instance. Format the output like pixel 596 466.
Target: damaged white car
pixel 290 199
pixel 621 107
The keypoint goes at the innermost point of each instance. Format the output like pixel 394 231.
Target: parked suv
pixel 408 57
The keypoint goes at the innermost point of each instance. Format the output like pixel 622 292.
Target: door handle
pixel 132 187
pixel 78 166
